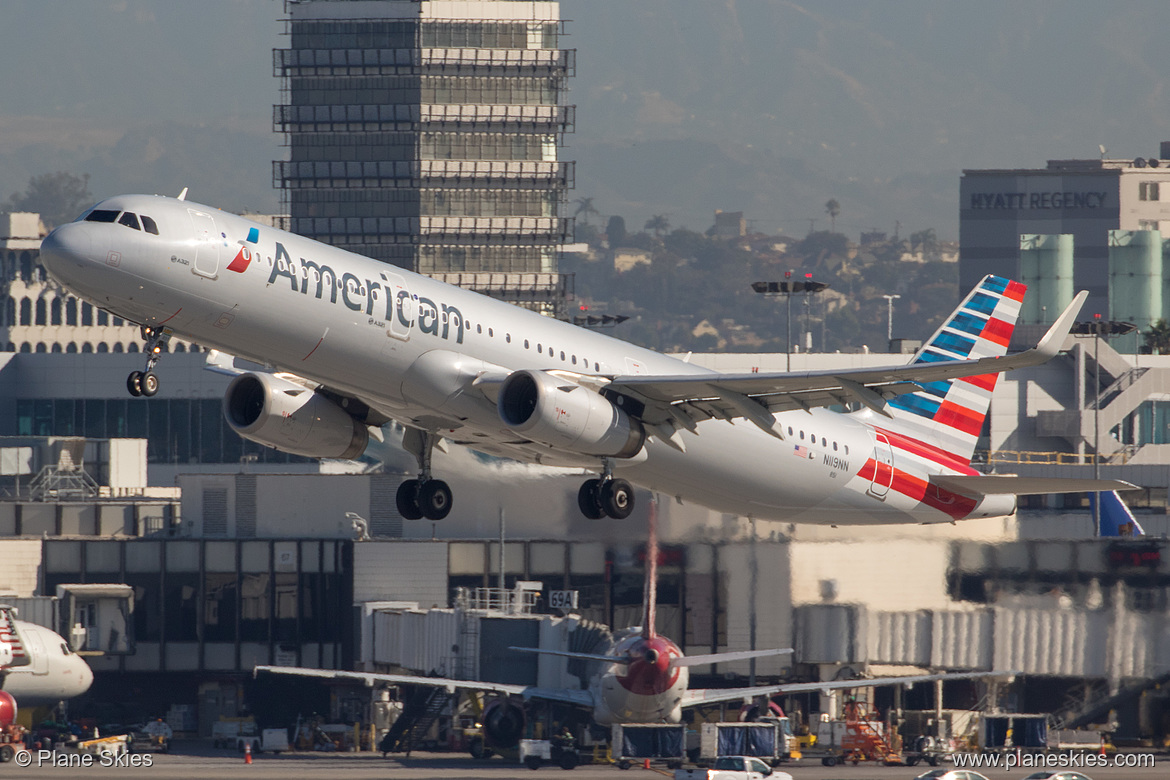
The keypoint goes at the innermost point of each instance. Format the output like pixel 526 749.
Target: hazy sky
pixel 684 106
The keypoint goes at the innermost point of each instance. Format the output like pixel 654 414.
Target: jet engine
pixel 503 723
pixel 565 415
pixel 282 414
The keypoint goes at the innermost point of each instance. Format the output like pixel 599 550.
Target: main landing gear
pixel 606 497
pixel 145 383
pixel 423 497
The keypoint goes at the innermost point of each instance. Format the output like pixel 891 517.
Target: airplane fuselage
pixel 412 347
pixel 52 673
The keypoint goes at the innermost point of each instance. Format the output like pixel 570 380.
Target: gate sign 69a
pixel 562 599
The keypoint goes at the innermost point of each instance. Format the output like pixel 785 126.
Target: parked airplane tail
pixel 1116 519
pixel 949 414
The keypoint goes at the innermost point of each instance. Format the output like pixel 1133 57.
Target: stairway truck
pixel 656 741
pixel 770 740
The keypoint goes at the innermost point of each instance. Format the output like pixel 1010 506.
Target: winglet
pixel 1054 339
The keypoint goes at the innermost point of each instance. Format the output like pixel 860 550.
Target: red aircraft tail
pixel 650 585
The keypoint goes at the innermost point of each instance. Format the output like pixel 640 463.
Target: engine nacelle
pixel 281 414
pixel 568 416
pixel 503 723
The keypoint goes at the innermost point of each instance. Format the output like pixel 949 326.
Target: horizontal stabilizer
pixel 720 658
pixel 609 659
pixel 1004 484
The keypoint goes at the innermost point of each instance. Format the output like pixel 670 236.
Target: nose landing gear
pixel 145 383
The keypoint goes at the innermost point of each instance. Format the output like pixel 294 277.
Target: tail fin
pixel 949 414
pixel 12 650
pixel 1116 519
pixel 650 584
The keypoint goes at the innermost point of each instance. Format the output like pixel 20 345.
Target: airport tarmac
pixel 199 761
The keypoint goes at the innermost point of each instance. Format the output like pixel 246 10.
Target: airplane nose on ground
pixel 85 677
pixel 66 245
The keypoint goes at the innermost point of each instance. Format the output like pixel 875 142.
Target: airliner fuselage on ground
pixel 37 667
pixel 353 343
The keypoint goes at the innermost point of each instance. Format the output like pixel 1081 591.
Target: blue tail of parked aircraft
pixel 1116 519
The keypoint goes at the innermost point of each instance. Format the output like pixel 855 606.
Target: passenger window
pixel 574 360
pixel 789 430
pixel 562 356
pixel 802 435
pixel 491 335
pixel 540 349
pixel 508 337
pixel 479 328
pixel 846 449
pixel 129 220
pixel 596 367
pixel 525 343
pixel 834 446
pixel 824 442
pixel 148 225
pixel 101 215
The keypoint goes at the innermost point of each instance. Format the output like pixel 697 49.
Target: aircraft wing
pixel 756 396
pixel 566 695
pixel 699 696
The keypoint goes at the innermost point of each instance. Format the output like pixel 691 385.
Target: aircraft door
pixel 37 654
pixel 402 319
pixel 883 471
pixel 206 244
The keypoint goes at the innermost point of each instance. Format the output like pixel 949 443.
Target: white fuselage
pixel 411 347
pixel 53 673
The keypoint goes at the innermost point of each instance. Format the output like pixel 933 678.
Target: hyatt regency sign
pixel 1018 201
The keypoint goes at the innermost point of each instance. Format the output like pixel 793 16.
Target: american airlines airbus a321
pixel 353 344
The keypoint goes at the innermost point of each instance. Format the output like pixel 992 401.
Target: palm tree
pixel 658 224
pixel 584 209
pixel 832 208
pixel 1158 338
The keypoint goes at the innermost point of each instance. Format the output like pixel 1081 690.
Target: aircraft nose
pixel 69 244
pixel 85 676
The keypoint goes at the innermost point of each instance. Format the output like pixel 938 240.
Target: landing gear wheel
pixel 434 499
pixel 149 384
pixel 617 498
pixel 407 500
pixel 589 499
pixel 134 383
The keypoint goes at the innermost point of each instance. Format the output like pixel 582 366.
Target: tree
pixel 832 208
pixel 926 242
pixel 615 230
pixel 58 197
pixel 1158 338
pixel 658 224
pixel 584 209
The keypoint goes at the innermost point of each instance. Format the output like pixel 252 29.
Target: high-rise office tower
pixel 426 133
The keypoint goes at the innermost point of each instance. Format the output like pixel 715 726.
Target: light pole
pixel 1098 328
pixel 788 288
pixel 890 317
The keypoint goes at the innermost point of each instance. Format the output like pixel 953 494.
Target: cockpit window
pixel 101 215
pixel 148 225
pixel 129 220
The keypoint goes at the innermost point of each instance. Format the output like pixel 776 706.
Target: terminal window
pixel 1148 190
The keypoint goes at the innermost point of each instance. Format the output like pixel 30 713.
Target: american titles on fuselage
pixel 393 300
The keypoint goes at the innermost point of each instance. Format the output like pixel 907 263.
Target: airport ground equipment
pixel 859 737
pixel 11 734
pixel 770 740
pixel 654 741
pixel 535 753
